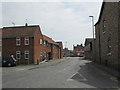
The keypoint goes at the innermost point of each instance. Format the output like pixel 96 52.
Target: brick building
pixel 52 49
pixel 66 52
pixel 60 49
pixel 107 31
pixel 27 44
pixel 78 50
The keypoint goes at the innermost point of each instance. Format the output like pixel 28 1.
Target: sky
pixel 67 21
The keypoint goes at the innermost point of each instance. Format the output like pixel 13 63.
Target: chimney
pixel 26 24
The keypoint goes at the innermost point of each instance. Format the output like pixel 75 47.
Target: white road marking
pixel 70 79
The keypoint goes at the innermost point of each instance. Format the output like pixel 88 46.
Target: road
pixel 65 73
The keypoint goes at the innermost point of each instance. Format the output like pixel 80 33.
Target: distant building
pixel 107 31
pixel 28 45
pixel 78 50
pixel 71 53
pixel 66 52
pixel 52 49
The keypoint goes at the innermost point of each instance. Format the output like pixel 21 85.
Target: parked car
pixel 8 61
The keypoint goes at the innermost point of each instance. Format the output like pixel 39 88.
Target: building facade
pixel 107 31
pixel 89 48
pixel 66 52
pixel 26 44
pixel 78 50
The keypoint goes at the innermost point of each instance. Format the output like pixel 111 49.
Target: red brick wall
pixel 9 48
pixel 55 52
pixel 37 46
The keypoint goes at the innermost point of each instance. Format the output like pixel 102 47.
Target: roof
pixel 49 40
pixel 10 32
pixel 88 40
pixel 101 11
pixel 60 44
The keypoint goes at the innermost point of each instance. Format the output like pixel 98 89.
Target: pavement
pixel 108 70
pixel 70 72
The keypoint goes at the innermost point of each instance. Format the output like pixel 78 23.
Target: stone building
pixel 107 31
pixel 89 49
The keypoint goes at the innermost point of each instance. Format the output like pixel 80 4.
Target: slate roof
pixel 49 40
pixel 11 32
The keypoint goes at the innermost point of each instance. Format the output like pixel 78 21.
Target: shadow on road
pixel 89 75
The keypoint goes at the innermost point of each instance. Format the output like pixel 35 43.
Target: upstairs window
pixel 26 40
pixel 40 41
pixel 104 26
pixel 18 41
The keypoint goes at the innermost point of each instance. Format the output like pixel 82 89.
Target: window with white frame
pixel 45 42
pixel 27 55
pixel 104 25
pixel 40 41
pixel 40 53
pixel 26 40
pixel 18 55
pixel 18 41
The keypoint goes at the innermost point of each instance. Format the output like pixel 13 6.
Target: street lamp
pixel 92 24
pixel 93 36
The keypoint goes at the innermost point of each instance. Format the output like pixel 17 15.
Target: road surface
pixel 71 72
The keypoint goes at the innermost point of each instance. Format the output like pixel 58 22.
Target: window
pixel 26 55
pixel 26 40
pixel 40 41
pixel 40 53
pixel 44 42
pixel 109 46
pixel 18 55
pixel 104 26
pixel 18 41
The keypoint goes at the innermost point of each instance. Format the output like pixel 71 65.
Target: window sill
pixel 109 54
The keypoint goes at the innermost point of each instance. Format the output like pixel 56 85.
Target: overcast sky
pixel 62 21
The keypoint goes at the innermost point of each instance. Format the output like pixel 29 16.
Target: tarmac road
pixel 71 72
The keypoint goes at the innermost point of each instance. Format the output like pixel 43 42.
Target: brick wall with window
pixel 107 35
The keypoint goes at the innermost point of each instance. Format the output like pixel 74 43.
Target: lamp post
pixel 92 24
pixel 93 36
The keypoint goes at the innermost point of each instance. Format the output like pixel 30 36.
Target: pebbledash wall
pixel 36 45
pixel 108 35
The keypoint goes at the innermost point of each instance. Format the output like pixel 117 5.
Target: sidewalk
pixel 107 70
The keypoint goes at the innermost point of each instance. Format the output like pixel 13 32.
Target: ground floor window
pixel 27 55
pixel 18 55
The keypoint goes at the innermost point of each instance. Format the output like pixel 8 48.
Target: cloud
pixel 63 21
